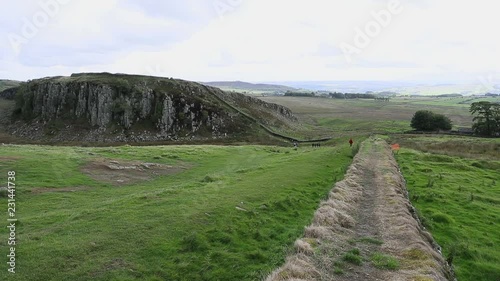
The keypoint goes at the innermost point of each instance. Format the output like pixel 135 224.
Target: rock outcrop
pixel 108 107
pixel 9 93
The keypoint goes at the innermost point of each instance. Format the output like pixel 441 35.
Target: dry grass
pixel 466 147
pixel 297 267
pixel 320 254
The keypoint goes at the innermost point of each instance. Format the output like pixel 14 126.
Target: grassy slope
pixel 458 198
pixel 177 227
pixel 6 84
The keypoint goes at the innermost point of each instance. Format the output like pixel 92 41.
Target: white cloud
pixel 261 40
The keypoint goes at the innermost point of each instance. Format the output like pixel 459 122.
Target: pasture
pixel 163 213
pixel 454 182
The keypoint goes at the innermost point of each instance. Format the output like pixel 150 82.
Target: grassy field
pixel 454 182
pixel 225 213
pixel 336 117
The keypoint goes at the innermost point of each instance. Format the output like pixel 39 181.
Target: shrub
pixel 425 120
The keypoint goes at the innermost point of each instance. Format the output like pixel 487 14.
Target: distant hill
pixel 249 87
pixel 391 88
pixel 6 84
pixel 104 107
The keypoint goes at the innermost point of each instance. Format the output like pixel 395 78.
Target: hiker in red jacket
pixel 350 142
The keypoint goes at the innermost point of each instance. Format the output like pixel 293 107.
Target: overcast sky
pixel 253 40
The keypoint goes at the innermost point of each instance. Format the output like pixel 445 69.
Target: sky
pixel 430 41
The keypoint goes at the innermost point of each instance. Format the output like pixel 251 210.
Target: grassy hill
pixel 6 84
pixel 104 107
pixel 239 86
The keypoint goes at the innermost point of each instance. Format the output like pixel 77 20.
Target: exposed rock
pixel 9 94
pixel 121 108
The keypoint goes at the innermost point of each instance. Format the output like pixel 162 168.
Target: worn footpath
pixel 366 230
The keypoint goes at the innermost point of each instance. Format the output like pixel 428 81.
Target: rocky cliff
pixel 110 107
pixel 8 93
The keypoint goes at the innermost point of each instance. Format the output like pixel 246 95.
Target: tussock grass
pixel 303 247
pixel 353 256
pixel 370 240
pixel 382 261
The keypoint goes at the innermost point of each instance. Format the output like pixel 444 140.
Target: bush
pixel 425 120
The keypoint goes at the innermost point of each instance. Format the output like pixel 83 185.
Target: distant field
pixel 339 117
pixel 248 92
pixel 456 188
pixel 192 213
pixel 456 101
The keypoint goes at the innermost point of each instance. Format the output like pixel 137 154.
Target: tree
pixel 441 122
pixel 425 120
pixel 486 119
pixel 422 120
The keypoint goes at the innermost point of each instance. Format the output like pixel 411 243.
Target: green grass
pixel 353 256
pixel 370 240
pixel 461 207
pixel 177 227
pixel 384 261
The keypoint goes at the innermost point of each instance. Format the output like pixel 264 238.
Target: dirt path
pixel 366 229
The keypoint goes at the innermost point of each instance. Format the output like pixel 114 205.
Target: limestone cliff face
pixel 126 107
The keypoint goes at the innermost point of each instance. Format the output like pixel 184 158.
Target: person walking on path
pixel 350 142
